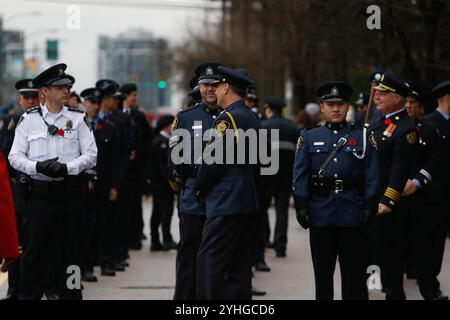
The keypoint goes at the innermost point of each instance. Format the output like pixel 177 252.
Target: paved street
pixel 152 275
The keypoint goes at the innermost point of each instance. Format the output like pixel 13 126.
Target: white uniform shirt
pixel 32 142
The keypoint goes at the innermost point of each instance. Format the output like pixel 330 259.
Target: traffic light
pixel 52 49
pixel 162 84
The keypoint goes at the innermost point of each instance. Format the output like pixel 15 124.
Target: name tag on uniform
pixel 36 132
pixel 197 127
pixel 319 143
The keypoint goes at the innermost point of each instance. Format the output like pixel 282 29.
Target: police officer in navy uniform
pixel 440 120
pixel 228 191
pixel 104 185
pixel 163 196
pixel 418 198
pixel 397 140
pixel 335 191
pixel 28 98
pixel 137 160
pixel 197 120
pixel 122 123
pixel 53 145
pixel 262 221
pixel 280 185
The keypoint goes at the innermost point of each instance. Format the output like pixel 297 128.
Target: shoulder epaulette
pixel 34 109
pixel 355 126
pixel 308 129
pixel 74 110
pixel 189 109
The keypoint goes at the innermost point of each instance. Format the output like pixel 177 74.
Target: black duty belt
pixel 323 186
pixel 55 186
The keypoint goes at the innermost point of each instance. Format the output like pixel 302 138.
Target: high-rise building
pixel 137 56
pixel 11 63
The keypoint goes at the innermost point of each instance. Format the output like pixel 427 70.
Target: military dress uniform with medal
pixel 335 186
pixel 426 228
pixel 397 141
pixel 53 149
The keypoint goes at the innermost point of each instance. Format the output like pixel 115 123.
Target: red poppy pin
pixel 99 126
pixel 60 132
pixel 352 143
pixel 388 121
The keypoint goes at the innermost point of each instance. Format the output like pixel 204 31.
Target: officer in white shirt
pixel 53 145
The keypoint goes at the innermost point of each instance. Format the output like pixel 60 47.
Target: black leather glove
pixel 365 217
pixel 199 197
pixel 52 168
pixel 302 218
pixel 5 264
pixel 23 182
pixel 302 212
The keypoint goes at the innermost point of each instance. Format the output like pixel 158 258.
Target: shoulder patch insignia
pixel 174 124
pixel 373 141
pixel 412 137
pixel 299 143
pixel 221 127
pixel 11 124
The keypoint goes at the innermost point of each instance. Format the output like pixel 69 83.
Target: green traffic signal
pixel 52 50
pixel 162 84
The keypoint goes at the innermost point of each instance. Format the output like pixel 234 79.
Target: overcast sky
pixel 78 48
